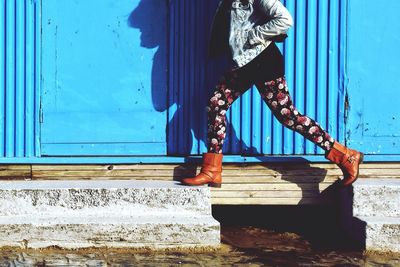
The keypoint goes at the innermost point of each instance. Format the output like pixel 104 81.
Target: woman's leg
pixel 276 95
pixel 228 89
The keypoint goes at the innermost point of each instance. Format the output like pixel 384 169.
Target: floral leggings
pixel 275 94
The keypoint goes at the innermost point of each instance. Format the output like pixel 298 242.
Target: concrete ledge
pixel 153 232
pixel 377 197
pixel 119 213
pixel 382 234
pixel 119 197
pixel 375 216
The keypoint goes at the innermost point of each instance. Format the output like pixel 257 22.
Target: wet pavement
pixel 241 246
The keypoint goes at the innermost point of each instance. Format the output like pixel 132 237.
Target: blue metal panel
pixel 2 79
pixel 190 75
pixel 373 70
pixel 315 63
pixel 10 79
pixel 18 62
pixel 104 77
pixel 299 70
pixel 313 54
pixel 311 59
pixel 322 64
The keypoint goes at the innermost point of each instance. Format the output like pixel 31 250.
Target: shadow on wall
pixel 150 18
pixel 192 77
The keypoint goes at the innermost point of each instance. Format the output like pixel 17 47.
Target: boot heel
pixel 217 185
pixel 361 157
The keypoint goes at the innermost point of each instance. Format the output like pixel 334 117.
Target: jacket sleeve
pixel 279 23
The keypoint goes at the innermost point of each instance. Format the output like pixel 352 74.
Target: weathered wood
pixel 153 173
pixel 5 167
pixel 243 183
pixel 226 167
pixel 269 201
pixel 274 186
pixel 145 171
pixel 226 180
pixel 266 193
pixel 15 172
pixel 278 179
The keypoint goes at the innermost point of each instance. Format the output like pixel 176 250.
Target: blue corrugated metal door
pixel 18 61
pixel 373 70
pixel 314 54
pixel 103 86
pixel 104 79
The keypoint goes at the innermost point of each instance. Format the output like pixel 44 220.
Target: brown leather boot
pixel 210 172
pixel 348 161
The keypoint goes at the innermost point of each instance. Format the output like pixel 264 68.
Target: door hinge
pixel 40 113
pixel 346 107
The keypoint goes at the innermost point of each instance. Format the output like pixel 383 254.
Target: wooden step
pixel 243 183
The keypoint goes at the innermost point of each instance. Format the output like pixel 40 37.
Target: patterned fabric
pixel 276 95
pixel 241 24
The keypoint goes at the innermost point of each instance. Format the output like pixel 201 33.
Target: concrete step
pixel 119 213
pixel 382 233
pixel 374 218
pixel 134 232
pixel 117 197
pixel 376 197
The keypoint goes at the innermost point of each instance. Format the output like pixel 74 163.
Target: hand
pixel 247 45
pixel 279 38
pixel 250 40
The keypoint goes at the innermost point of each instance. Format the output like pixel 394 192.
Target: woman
pixel 248 29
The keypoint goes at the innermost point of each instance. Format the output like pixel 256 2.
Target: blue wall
pixel 127 81
pixel 373 71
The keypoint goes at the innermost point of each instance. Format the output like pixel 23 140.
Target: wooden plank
pixel 160 178
pixel 266 194
pixel 314 171
pixel 269 201
pixel 231 180
pixel 150 173
pixel 243 179
pixel 366 173
pixel 5 167
pixel 15 171
pixel 227 166
pixel 274 186
pixel 105 167
pixel 273 179
pixel 112 174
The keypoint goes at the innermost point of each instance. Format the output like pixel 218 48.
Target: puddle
pixel 241 246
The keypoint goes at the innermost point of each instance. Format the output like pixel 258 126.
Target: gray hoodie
pixel 253 23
